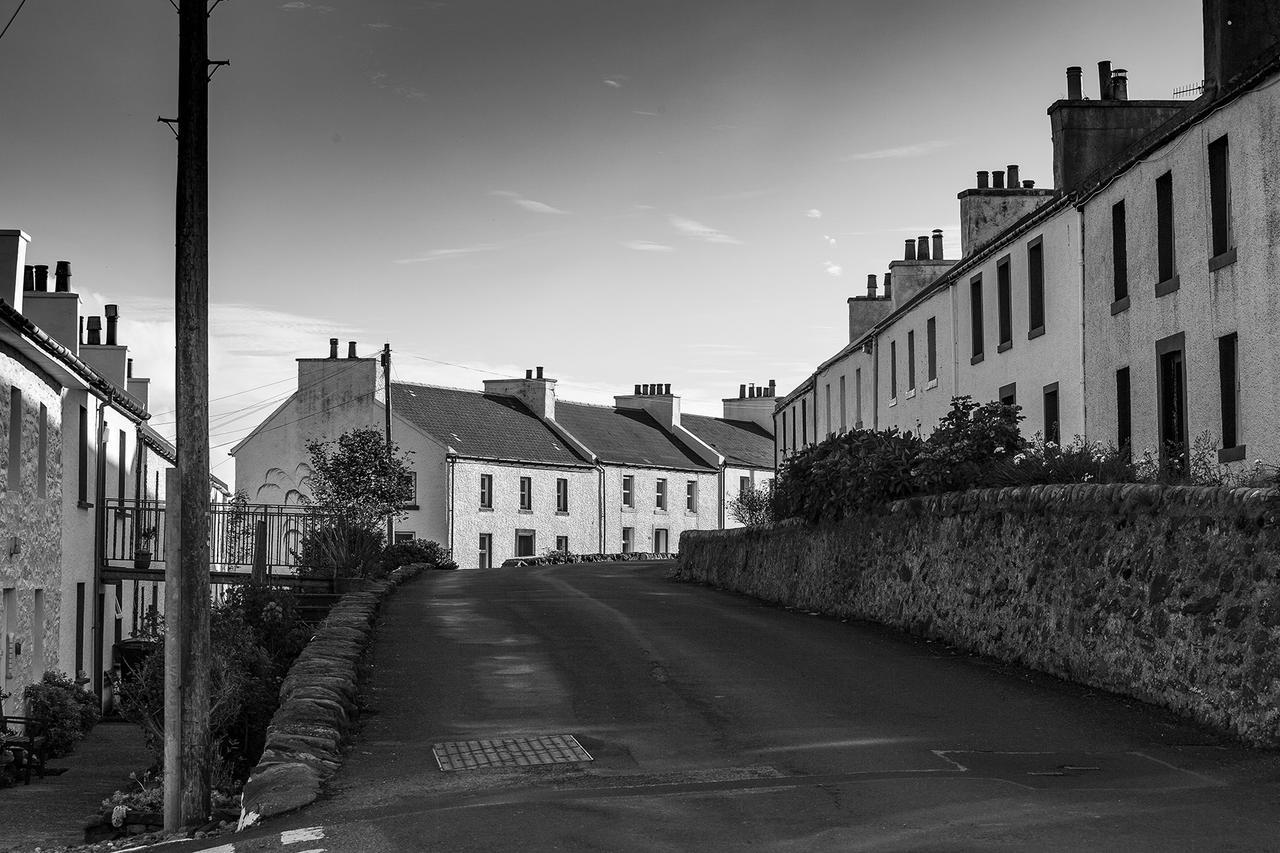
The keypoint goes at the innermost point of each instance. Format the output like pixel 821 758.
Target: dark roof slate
pixel 481 426
pixel 626 437
pixel 739 442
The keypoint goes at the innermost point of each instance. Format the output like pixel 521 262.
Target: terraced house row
pixel 74 448
pixel 512 471
pixel 1133 303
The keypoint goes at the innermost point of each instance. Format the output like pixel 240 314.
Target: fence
pixel 134 534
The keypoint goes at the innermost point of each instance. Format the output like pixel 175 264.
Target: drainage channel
pixel 509 752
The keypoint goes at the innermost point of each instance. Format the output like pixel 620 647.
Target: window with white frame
pixel 660 495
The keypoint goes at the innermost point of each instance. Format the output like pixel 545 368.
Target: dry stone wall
pixel 1167 594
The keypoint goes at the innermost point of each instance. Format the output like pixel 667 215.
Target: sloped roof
pixel 481 426
pixel 739 442
pixel 626 437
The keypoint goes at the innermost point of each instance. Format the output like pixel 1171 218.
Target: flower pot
pixel 141 559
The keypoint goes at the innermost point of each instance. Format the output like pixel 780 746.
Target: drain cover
pixel 509 752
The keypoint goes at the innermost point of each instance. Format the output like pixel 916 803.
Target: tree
pixel 753 507
pixel 357 479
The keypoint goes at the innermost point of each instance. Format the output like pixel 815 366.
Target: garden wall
pixel 1169 594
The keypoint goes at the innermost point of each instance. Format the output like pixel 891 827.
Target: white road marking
pixel 310 833
pixel 222 848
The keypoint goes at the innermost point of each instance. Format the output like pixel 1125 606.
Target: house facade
pixel 1131 304
pixel 511 471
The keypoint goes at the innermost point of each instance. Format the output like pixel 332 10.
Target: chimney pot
pixel 1120 84
pixel 1011 175
pixel 42 277
pixel 333 347
pixel 351 349
pixel 984 180
pixel 666 389
pixel 128 368
pixel 922 247
pixel 888 285
pixel 1075 91
pixel 742 391
pixel 1104 80
pixel 997 179
pixel 871 286
pixel 937 244
pixel 113 317
pixel 28 277
pixel 773 385
pixel 62 277
pixel 528 374
pixel 95 331
pixel 638 390
pixel 1028 185
pixel 911 250
pixel 539 371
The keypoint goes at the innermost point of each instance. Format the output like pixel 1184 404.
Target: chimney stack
pixel 113 318
pixel 871 286
pixel 351 349
pixel 922 248
pixel 1011 176
pixel 638 390
pixel 95 331
pixel 773 387
pixel 1028 185
pixel 333 347
pixel 62 277
pixel 742 391
pixel 1075 89
pixel 911 250
pixel 1120 85
pixel 28 277
pixel 1104 80
pixel 937 243
pixel 984 180
pixel 751 391
pixel 997 179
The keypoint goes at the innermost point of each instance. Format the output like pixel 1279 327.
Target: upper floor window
pixel 562 494
pixel 15 439
pixel 1119 253
pixel 1220 200
pixel 628 490
pixel 1035 287
pixel 691 495
pixel 911 361
pixel 1004 308
pixel 931 347
pixel 893 370
pixel 42 465
pixel 486 491
pixel 660 494
pixel 1166 261
pixel 975 317
pixel 526 493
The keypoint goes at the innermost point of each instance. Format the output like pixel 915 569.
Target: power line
pixel 11 17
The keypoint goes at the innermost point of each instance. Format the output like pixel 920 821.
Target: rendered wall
pixel 1167 594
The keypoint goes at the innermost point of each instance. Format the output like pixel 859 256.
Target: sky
pixel 622 191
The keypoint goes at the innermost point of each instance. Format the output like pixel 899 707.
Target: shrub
pixel 416 551
pixel 753 507
pixel 1081 461
pixel 339 549
pixel 966 442
pixel 69 711
pixel 848 473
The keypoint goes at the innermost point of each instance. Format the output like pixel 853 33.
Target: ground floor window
pixel 526 543
pixel 660 536
pixel 1171 392
pixel 405 536
pixel 628 539
pixel 562 544
pixel 486 550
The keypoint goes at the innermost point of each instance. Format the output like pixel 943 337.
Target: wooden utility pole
pixel 386 392
pixel 192 373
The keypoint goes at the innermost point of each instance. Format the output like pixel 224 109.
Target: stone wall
pixel 1167 594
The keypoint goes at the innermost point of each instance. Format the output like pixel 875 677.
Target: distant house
pixel 512 471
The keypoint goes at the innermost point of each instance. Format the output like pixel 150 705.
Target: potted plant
pixel 142 545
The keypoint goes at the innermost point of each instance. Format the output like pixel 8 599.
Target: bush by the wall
pixel 340 549
pixel 69 711
pixel 418 551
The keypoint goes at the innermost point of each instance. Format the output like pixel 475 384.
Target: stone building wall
pixel 1167 594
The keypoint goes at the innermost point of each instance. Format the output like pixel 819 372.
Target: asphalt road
pixel 718 723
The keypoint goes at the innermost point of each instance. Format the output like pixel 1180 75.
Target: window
pixel 843 422
pixel 1004 310
pixel 828 392
pixel 1119 255
pixel 660 494
pixel 691 495
pixel 628 491
pixel 405 536
pixel 857 398
pixel 526 543
pixel 1124 412
pixel 628 539
pixel 1035 288
pixel 1052 427
pixel 1008 394
pixel 562 544
pixel 37 631
pixel 486 491
pixel 1230 394
pixel 80 615
pixel 526 494
pixel 893 370
pixel 82 463
pixel 804 422
pixel 744 484
pixel 1220 200
pixel 931 347
pixel 1164 235
pixel 486 551
pixel 1171 402
pixel 15 439
pixel 911 361
pixel 795 432
pixel 122 467
pixel 783 421
pixel 975 317
pixel 562 494
pixel 42 463
pixel 660 540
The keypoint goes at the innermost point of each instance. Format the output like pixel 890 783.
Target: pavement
pixel 714 722
pixel 52 812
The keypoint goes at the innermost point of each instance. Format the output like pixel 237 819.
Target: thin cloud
pixel 527 203
pixel 813 213
pixel 831 241
pixel 380 25
pixel 441 254
pixel 695 230
pixel 300 6
pixel 614 82
pixel 919 149
pixel 645 113
pixel 833 270
pixel 647 246
pixel 383 80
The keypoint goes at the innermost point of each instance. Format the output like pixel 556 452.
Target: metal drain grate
pixel 509 752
